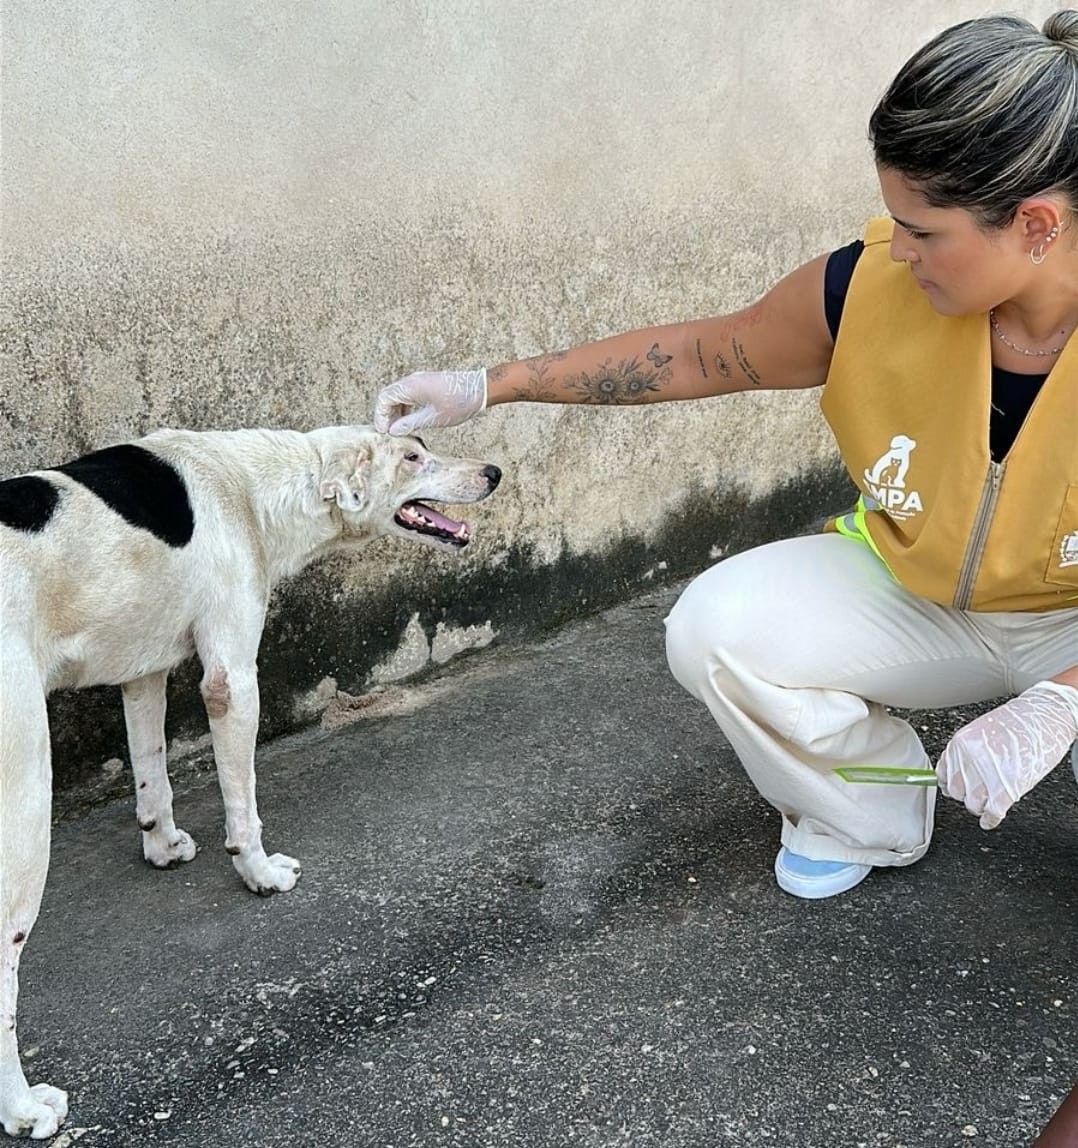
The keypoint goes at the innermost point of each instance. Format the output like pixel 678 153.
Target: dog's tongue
pixel 433 517
pixel 419 516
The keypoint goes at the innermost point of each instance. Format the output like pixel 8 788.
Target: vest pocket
pixel 1063 560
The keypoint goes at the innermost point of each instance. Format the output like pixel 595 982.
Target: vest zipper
pixel 971 562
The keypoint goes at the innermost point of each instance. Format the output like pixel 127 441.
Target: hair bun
pixel 1062 28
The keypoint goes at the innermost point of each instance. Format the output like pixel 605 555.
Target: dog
pixel 890 468
pixel 118 566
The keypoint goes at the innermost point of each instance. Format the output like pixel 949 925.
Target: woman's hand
pixel 995 759
pixel 430 399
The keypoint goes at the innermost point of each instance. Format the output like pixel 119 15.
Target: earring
pixel 1039 253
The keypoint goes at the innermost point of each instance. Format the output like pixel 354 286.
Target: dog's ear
pixel 346 477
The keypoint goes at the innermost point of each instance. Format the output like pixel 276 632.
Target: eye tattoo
pixel 722 366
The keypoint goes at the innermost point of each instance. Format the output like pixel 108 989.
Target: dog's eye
pixel 411 457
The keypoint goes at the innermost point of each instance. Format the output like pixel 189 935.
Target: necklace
pixel 1014 346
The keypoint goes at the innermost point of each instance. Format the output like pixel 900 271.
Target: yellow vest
pixel 908 397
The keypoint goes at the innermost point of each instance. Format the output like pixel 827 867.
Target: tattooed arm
pixel 781 341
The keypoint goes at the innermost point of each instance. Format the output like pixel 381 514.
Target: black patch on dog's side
pixel 27 502
pixel 142 488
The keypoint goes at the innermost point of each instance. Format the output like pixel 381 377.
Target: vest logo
pixel 1068 550
pixel 887 481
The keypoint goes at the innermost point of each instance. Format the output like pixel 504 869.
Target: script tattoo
pixel 700 357
pixel 626 381
pixel 747 367
pixel 657 357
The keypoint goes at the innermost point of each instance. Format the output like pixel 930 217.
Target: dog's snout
pixel 492 474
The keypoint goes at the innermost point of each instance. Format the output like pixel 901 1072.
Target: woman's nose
pixel 901 251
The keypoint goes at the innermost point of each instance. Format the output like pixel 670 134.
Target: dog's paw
pixel 39 1110
pixel 167 850
pixel 265 875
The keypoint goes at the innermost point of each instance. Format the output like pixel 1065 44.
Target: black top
pixel 1012 392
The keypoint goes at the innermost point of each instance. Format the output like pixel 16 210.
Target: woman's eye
pixel 917 234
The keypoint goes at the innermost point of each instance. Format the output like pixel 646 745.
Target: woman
pixel 943 345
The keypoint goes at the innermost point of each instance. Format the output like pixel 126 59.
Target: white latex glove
pixel 995 759
pixel 430 399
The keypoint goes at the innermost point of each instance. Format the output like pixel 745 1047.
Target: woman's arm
pixel 1001 755
pixel 781 341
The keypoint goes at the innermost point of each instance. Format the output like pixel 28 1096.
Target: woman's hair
pixel 986 115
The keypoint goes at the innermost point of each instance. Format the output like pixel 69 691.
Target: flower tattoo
pixel 617 382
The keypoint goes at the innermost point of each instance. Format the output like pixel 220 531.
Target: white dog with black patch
pixel 117 567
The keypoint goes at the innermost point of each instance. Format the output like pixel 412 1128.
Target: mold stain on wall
pixel 315 635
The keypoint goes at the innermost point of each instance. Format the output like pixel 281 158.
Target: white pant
pixel 797 647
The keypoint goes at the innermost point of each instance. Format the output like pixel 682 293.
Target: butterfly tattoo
pixel 658 359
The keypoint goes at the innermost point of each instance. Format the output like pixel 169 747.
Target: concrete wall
pixel 251 212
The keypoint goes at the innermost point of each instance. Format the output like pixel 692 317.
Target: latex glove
pixel 995 759
pixel 430 399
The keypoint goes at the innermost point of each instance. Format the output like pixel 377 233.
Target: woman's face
pixel 962 268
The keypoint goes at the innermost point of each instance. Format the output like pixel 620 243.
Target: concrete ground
pixel 537 909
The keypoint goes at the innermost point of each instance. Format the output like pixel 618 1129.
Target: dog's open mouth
pixel 423 519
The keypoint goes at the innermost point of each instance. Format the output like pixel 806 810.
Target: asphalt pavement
pixel 537 909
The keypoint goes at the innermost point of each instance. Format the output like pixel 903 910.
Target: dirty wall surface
pixel 252 214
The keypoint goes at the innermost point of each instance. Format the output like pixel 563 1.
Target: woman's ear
pixel 1040 221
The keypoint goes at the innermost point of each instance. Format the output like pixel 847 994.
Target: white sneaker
pixel 803 877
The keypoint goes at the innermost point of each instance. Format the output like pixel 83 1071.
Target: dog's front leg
pixel 163 845
pixel 25 800
pixel 230 691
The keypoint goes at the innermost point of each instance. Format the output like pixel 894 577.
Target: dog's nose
pixel 492 474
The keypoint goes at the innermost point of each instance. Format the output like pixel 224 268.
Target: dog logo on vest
pixel 1068 550
pixel 887 479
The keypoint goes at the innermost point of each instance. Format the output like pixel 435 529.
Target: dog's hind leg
pixel 230 692
pixel 163 845
pixel 25 806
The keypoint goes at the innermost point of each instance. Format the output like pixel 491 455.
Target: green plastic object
pixel 886 775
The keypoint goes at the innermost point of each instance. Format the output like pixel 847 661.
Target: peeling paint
pixel 411 656
pixel 314 702
pixel 448 640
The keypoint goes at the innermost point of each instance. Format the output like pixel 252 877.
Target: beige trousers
pixel 797 648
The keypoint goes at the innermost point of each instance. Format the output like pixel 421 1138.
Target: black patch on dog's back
pixel 141 487
pixel 27 502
